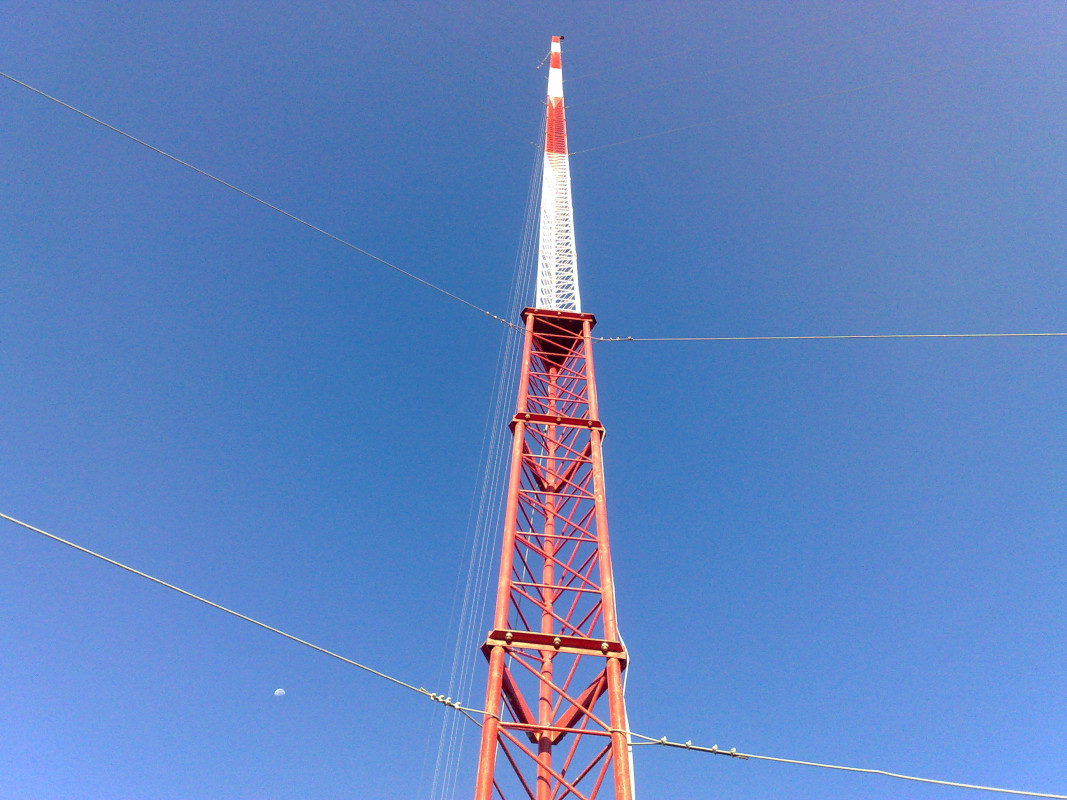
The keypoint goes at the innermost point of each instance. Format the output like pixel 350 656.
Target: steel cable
pixel 230 611
pixel 734 753
pixel 610 339
pixel 262 202
pixel 467 711
pixel 486 505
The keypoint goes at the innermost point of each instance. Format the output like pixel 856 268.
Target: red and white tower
pixel 555 724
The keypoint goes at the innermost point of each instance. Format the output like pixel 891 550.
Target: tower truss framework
pixel 555 724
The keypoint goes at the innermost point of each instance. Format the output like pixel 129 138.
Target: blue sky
pixel 838 551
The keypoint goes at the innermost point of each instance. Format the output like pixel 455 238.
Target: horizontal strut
pixel 533 640
pixel 556 419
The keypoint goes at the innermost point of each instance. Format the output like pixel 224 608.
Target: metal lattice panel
pixel 556 717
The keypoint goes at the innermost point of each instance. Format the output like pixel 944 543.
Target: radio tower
pixel 555 723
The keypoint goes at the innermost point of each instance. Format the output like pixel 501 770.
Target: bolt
pixel 555 642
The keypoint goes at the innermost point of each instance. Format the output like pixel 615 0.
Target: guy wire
pixel 486 505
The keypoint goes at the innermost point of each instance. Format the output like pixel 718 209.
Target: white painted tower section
pixel 557 265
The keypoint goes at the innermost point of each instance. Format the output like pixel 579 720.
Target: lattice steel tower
pixel 556 718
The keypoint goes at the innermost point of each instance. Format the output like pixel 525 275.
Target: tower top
pixel 557 265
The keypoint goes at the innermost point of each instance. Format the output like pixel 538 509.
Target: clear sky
pixel 843 551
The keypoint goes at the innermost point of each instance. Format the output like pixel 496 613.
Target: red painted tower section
pixel 555 725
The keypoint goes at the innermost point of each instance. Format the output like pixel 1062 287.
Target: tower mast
pixel 555 723
pixel 557 267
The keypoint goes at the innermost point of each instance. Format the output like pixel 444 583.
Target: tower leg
pixel 620 745
pixel 483 787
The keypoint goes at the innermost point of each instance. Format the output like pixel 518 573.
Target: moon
pixel 279 692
